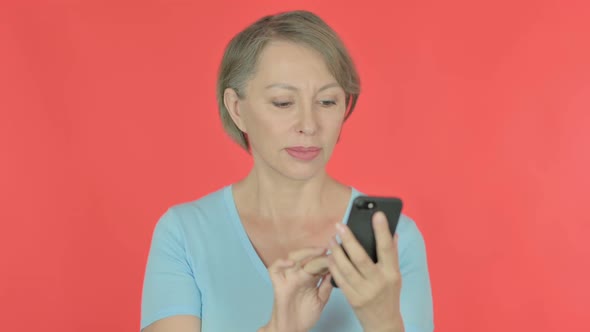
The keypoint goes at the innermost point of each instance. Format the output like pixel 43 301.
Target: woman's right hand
pixel 298 300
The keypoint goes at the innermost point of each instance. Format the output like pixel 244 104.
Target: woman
pixel 252 256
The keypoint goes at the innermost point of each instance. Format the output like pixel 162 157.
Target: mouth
pixel 304 153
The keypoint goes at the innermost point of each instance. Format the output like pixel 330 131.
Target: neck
pixel 282 200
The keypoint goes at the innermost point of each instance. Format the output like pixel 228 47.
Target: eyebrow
pixel 292 88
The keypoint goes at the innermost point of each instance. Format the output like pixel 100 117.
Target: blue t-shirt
pixel 202 263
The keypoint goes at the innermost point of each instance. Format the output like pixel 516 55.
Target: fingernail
pixel 340 228
pixel 380 217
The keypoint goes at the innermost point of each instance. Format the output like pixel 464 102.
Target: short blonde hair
pixel 303 27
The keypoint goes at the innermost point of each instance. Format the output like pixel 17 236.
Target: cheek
pixel 264 127
pixel 333 125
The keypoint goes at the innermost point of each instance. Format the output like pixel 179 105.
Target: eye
pixel 327 103
pixel 282 104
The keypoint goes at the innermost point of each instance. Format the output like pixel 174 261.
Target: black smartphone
pixel 360 220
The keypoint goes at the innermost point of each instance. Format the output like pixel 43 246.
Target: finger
pixel 279 266
pixel 306 253
pixel 340 279
pixel 356 253
pixel 325 289
pixel 317 266
pixel 384 239
pixel 345 268
pixel 396 252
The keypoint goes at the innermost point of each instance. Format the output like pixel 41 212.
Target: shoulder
pixel 411 245
pixel 408 230
pixel 184 216
pixel 208 204
pixel 406 226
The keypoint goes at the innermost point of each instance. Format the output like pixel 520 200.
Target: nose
pixel 307 123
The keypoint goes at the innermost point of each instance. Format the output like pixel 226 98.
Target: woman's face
pixel 293 111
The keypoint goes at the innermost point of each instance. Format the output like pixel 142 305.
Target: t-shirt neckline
pixel 243 235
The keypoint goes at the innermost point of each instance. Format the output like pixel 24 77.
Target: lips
pixel 304 149
pixel 303 153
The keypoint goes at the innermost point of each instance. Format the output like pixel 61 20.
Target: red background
pixel 477 113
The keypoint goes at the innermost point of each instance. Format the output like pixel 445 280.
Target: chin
pixel 303 172
pixel 294 169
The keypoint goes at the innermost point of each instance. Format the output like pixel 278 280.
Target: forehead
pixel 284 60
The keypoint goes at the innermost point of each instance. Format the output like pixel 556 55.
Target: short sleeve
pixel 169 286
pixel 416 293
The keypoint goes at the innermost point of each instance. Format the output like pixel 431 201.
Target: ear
pixel 231 100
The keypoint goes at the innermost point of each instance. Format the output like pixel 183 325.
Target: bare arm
pixel 180 323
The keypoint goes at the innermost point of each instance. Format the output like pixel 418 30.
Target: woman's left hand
pixel 372 289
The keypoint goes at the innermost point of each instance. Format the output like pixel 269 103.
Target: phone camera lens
pixel 365 204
